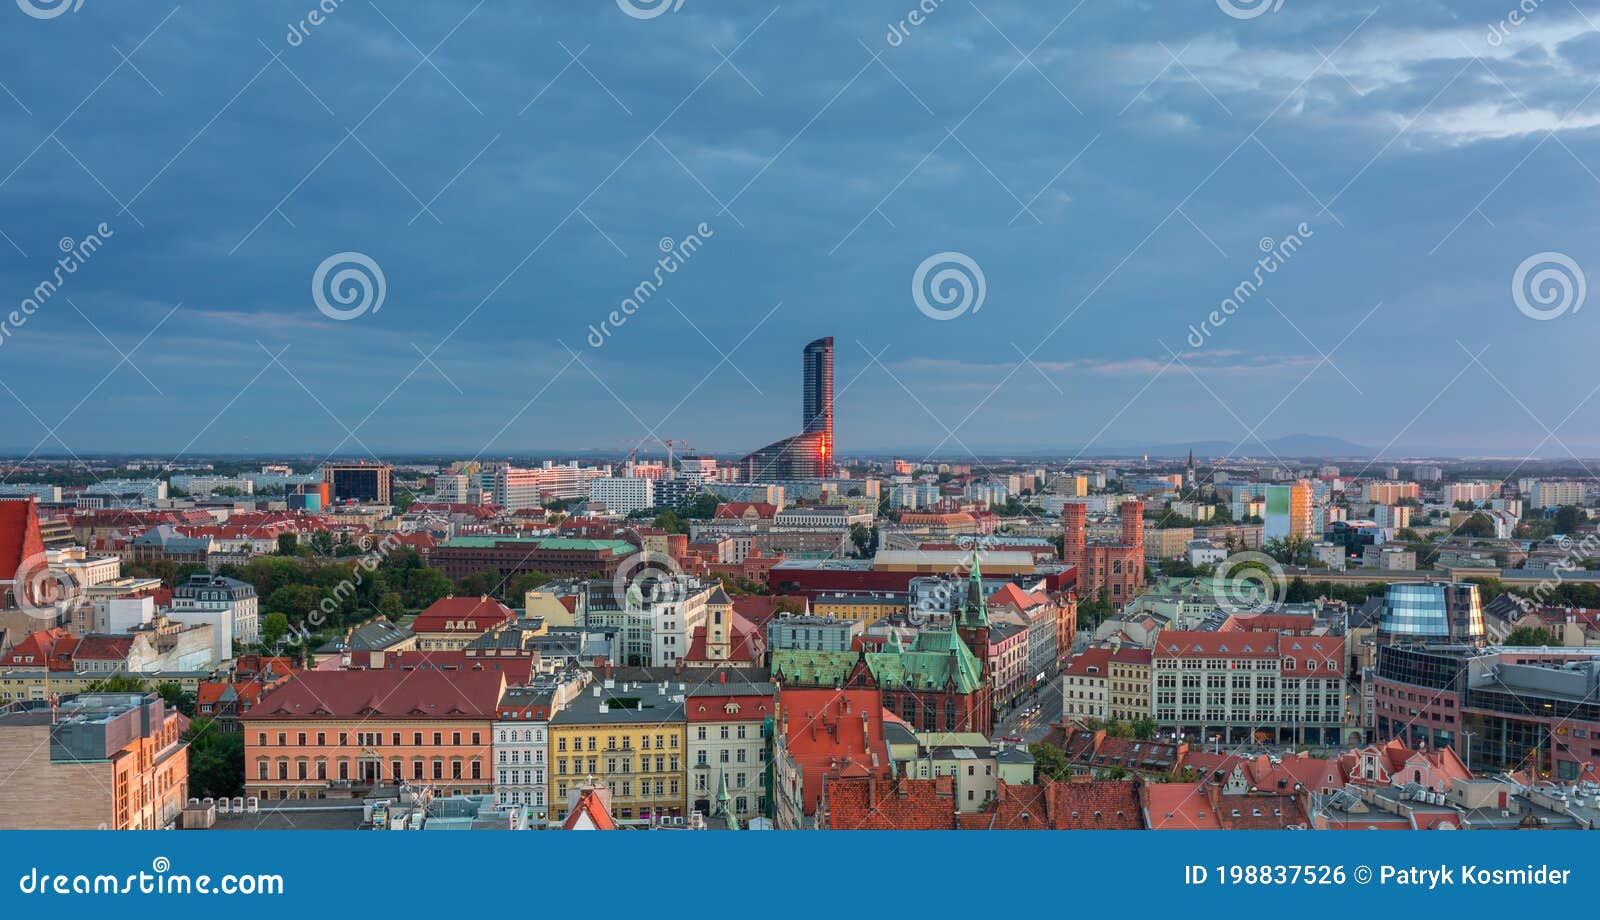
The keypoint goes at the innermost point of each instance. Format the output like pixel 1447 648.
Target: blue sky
pixel 1112 169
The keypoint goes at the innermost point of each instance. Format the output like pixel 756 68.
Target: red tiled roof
pixel 420 694
pixel 1010 595
pixel 48 646
pixel 867 803
pixel 478 613
pixel 826 734
pixel 1199 644
pixel 1091 662
pixel 1080 806
pixel 104 648
pixel 715 708
pixel 590 806
pixel 19 536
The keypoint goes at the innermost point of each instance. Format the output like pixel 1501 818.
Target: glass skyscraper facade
pixel 808 455
pixel 1441 612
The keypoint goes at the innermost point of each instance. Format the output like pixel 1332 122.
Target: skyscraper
pixel 809 454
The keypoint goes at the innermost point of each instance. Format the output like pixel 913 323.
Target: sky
pixel 1406 190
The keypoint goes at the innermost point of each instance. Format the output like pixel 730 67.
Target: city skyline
pixel 1113 176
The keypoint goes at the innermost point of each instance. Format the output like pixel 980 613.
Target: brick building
pixel 1116 567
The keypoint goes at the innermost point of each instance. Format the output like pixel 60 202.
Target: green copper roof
pixel 936 659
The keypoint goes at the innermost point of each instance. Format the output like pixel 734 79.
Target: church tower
pixel 972 623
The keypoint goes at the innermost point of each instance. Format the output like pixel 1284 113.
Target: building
pixel 1390 493
pixel 113 761
pixel 809 454
pixel 630 734
pixel 940 682
pixel 622 495
pixel 1552 493
pixel 327 734
pixel 1288 511
pixel 812 633
pixel 1115 568
pixel 865 607
pixel 510 557
pixel 731 721
pixel 1435 613
pixel 522 720
pixel 1529 710
pixel 364 483
pixel 452 623
pixel 1259 686
pixel 1008 662
pixel 1129 684
pixel 516 489
pixel 825 736
pixel 1085 686
pixel 216 594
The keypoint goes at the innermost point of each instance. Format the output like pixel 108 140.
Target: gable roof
pixel 411 694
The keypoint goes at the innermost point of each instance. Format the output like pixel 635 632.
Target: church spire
pixel 975 609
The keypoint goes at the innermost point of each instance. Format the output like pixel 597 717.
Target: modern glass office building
pixel 808 455
pixel 1440 612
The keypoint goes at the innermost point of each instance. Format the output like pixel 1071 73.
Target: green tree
pixel 527 581
pixel 486 583
pixel 274 626
pixel 1478 525
pixel 1050 762
pixel 116 683
pixel 671 523
pixel 172 694
pixel 862 537
pixel 288 544
pixel 1144 728
pixel 1569 518
pixel 216 760
pixel 1531 636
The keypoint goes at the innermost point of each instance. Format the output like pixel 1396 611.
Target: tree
pixel 527 581
pixel 486 583
pixel 1144 728
pixel 1478 525
pixel 216 760
pixel 1050 762
pixel 1569 518
pixel 1291 550
pixel 274 626
pixel 1531 636
pixel 116 683
pixel 863 537
pixel 671 523
pixel 288 544
pixel 172 694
